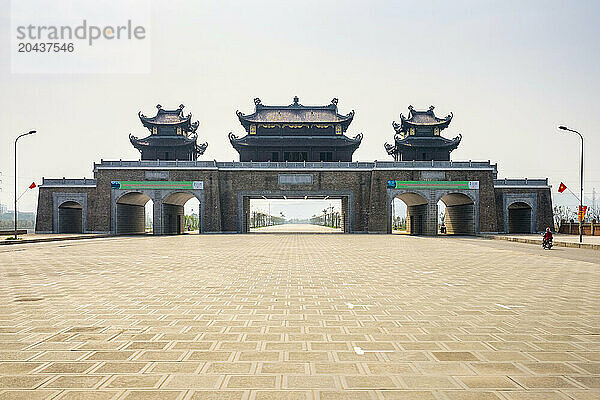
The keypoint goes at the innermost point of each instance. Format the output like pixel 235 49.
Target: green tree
pixel 192 222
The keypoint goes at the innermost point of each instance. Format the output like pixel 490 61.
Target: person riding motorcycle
pixel 547 237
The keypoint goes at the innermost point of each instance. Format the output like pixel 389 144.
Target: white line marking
pixel 361 352
pixel 351 306
pixel 507 306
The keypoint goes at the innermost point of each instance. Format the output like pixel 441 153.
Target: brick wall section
pixel 221 188
pixel 572 228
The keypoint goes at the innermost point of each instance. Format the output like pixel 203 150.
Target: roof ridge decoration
pixel 421 118
pixel 169 117
pixel 295 113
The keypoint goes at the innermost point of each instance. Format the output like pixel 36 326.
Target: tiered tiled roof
pixel 295 113
pixel 171 118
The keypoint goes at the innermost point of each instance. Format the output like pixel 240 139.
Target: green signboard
pixel 129 185
pixel 433 184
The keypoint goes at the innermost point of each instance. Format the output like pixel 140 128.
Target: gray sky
pixel 510 71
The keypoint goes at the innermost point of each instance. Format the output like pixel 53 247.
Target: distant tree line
pixel 26 220
pixel 567 214
pixel 329 218
pixel 259 219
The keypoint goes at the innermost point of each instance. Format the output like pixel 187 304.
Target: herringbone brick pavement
pixel 311 317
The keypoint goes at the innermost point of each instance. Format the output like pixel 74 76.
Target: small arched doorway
pixel 459 214
pixel 519 218
pixel 181 213
pixel 70 217
pixel 409 214
pixel 131 214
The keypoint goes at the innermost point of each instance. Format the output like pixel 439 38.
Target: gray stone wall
pixel 365 189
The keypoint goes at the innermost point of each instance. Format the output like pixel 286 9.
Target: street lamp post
pixel 564 128
pixel 16 212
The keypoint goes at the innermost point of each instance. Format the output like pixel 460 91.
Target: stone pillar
pixel 344 214
pixel 157 216
pixel 431 228
pixel 246 214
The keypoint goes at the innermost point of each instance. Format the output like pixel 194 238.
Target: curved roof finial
pixel 256 101
pixel 431 108
pixel 296 100
pixel 181 106
pixel 158 106
pixel 334 101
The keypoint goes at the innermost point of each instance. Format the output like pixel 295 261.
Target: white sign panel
pixel 198 184
pixel 473 184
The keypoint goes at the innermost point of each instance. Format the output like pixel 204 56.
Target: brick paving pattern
pixel 305 317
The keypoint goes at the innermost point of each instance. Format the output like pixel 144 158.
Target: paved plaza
pixel 310 317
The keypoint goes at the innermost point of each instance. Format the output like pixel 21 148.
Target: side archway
pixel 69 212
pixel 415 221
pixel 460 214
pixel 519 217
pixel 131 213
pixel 173 212
pixel 70 217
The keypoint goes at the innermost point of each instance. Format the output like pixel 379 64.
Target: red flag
pixel 32 185
pixel 562 187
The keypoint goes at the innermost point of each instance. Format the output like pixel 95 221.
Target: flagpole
pixel 574 195
pixel 564 128
pixel 16 212
pixel 25 191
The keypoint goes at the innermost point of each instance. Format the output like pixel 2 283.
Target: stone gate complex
pixel 422 175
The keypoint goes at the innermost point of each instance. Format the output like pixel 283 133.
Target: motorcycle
pixel 547 244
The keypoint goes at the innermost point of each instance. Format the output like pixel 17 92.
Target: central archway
pixel 131 213
pixel 342 217
pixel 459 216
